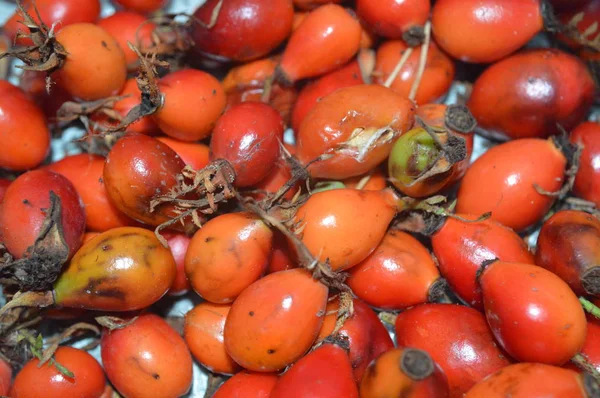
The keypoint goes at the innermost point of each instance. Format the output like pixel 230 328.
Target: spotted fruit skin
pixel 123 269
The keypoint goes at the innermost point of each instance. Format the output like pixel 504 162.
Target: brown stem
pixel 67 333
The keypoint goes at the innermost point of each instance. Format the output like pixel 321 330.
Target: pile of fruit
pixel 299 170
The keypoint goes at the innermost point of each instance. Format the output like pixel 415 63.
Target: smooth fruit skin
pixel 356 125
pixel 527 380
pixel 194 154
pixel 244 29
pixel 59 12
pixel 457 338
pixel 591 348
pixel 130 27
pixel 147 358
pixel 489 29
pixel 397 275
pixel 391 18
pixel 568 245
pixel 137 169
pixel 437 76
pixel 586 14
pixel 178 244
pixel 313 92
pixel 311 4
pixel 533 313
pixel 462 247
pixel 85 172
pixel 367 337
pixel 261 331
pixel 95 66
pixel 587 182
pixel 142 6
pixel 4 183
pixel 250 74
pixel 23 131
pixel 526 95
pixel 193 101
pixel 502 181
pixel 247 384
pixel 330 221
pixel 326 39
pixel 248 135
pixel 22 211
pixel 386 377
pixel 203 333
pixel 122 269
pixel 227 255
pixel 324 372
pixel 46 381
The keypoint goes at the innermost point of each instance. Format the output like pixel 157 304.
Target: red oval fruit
pixel 587 183
pixel 142 6
pixel 462 247
pixel 457 338
pixel 261 331
pixel 244 29
pixel 248 135
pixel 391 18
pixel 178 244
pixel 326 39
pixel 147 358
pixel 247 385
pixel 528 94
pixel 46 380
pixel 397 275
pixel 533 313
pixel 324 372
pixel 23 211
pixel 23 131
pixel 490 29
pixel 503 180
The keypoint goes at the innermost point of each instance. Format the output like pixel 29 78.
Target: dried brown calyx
pixel 46 54
pixel 43 261
pixel 197 193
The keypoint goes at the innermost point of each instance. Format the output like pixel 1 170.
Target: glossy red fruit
pixel 248 135
pixel 325 40
pixel 178 244
pixel 142 6
pixel 397 275
pixel 324 372
pixel 129 27
pixel 33 83
pixel 489 29
pixel 23 131
pixel 194 154
pixel 358 141
pixel 340 213
pixel 261 331
pixel 437 75
pixel 528 94
pixel 22 212
pixel 366 335
pixel 526 380
pixel 203 334
pixel 147 358
pixel 244 29
pixel 391 18
pixel 591 347
pixel 193 101
pixel 349 75
pixel 228 254
pixel 86 174
pixel 137 168
pixel 247 385
pixel 568 245
pixel 46 381
pixel 310 4
pixel 525 303
pixel 59 13
pixel 279 175
pixel 587 182
pixel 404 372
pixel 582 17
pixel 281 257
pixel 457 338
pixel 462 247
pixel 502 181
